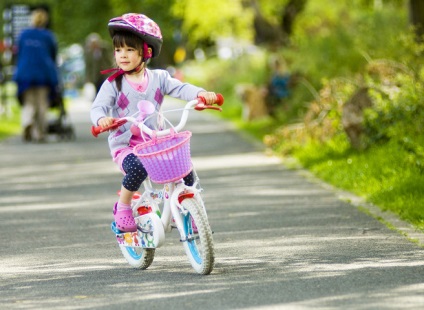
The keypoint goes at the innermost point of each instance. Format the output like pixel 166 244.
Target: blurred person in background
pixel 36 75
pixel 278 86
pixel 97 57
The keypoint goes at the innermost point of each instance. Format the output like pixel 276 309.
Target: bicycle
pixel 167 160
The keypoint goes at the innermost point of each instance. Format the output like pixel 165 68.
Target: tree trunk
pixel 265 32
pixel 276 35
pixel 416 17
pixel 291 10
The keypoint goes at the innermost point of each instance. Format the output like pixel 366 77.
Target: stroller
pixel 61 125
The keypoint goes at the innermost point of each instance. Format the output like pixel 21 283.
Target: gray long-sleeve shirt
pixel 110 102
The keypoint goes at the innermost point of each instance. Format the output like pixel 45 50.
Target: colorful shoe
pixel 124 219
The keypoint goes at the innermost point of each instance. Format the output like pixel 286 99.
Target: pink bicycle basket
pixel 166 159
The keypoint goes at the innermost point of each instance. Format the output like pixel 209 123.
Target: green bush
pixel 375 50
pixel 332 39
pixel 336 50
pixel 10 117
pixel 10 124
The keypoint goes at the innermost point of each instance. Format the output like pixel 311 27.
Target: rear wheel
pixel 199 243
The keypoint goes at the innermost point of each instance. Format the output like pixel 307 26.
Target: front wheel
pixel 138 257
pixel 199 243
pixel 142 256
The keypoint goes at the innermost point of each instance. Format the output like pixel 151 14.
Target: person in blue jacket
pixel 36 75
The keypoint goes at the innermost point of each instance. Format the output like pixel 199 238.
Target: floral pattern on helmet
pixel 143 24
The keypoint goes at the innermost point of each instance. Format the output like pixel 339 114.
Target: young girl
pixel 136 38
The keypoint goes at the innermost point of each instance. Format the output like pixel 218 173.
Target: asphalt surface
pixel 282 239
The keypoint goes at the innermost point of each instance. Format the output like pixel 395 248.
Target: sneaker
pixel 124 219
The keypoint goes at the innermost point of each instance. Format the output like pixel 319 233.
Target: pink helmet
pixel 140 25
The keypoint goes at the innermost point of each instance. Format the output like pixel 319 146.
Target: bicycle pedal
pixel 191 238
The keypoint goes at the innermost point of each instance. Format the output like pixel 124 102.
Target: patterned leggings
pixel 136 174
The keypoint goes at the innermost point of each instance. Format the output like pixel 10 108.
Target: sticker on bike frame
pixel 143 238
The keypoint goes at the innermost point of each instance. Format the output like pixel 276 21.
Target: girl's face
pixel 127 58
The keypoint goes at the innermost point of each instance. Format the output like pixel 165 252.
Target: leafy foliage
pixel 375 49
pixel 209 19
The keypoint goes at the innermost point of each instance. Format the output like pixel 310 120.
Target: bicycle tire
pixel 199 246
pixel 138 257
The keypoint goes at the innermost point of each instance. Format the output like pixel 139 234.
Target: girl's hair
pixel 122 38
pixel 127 38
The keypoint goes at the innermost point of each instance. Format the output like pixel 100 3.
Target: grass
pixel 381 175
pixel 10 124
pixel 10 116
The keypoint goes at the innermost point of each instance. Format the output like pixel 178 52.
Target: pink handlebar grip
pixel 96 130
pixel 201 105
pixel 220 99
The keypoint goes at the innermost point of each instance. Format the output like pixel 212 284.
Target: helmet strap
pixel 138 68
pixel 147 54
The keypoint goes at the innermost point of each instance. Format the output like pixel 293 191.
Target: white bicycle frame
pixel 171 191
pixel 171 208
pixel 165 132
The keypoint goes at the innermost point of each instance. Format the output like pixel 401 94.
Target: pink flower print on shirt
pixel 122 103
pixel 158 96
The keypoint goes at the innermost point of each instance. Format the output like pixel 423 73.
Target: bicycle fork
pixel 180 193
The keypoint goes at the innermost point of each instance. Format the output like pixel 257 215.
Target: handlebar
pixel 198 103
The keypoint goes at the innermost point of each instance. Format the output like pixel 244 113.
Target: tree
pixel 207 20
pixel 262 21
pixel 277 33
pixel 416 16
pixel 72 21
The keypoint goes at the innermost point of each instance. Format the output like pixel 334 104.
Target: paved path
pixel 283 240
